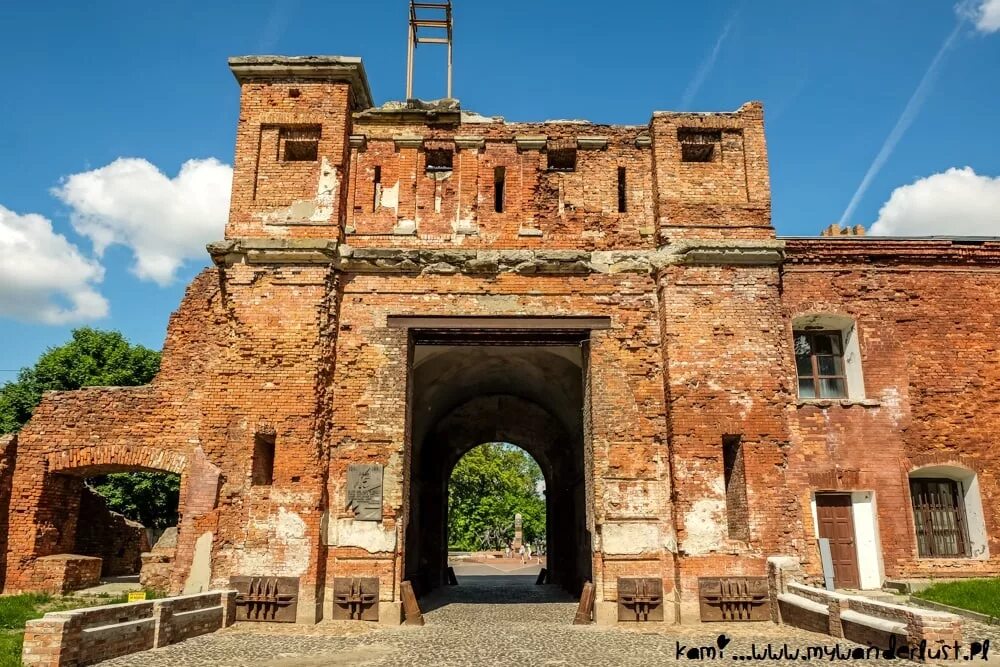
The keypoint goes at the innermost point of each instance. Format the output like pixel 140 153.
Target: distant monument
pixel 518 536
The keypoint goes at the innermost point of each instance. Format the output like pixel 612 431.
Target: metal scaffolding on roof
pixel 430 23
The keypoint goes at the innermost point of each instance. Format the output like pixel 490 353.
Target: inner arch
pixel 530 396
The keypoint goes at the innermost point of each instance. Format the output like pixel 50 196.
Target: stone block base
pixel 605 613
pixel 390 613
pixel 62 573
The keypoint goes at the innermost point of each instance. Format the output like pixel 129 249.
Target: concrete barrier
pixel 85 636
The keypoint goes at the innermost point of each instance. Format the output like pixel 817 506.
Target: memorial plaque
pixel 364 491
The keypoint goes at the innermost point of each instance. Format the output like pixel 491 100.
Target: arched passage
pixel 529 395
pixel 52 506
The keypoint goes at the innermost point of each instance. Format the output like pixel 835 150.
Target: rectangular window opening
pixel 622 203
pixel 734 473
pixel 561 159
pixel 499 185
pixel 819 364
pixel 300 144
pixel 939 518
pixel 377 199
pixel 698 145
pixel 263 460
pixel 439 161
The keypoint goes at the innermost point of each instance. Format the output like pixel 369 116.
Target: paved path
pixel 497 620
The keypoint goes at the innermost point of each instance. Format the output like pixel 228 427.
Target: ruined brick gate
pixel 401 283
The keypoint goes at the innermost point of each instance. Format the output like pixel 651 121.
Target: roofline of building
pixel 924 250
pixel 348 69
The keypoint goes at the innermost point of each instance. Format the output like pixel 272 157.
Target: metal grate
pixel 355 598
pixel 266 599
pixel 939 518
pixel 640 599
pixel 734 599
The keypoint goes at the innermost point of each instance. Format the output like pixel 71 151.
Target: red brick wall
pixel 109 536
pixel 729 197
pixel 74 435
pixel 725 352
pixel 274 198
pixel 8 450
pixel 926 317
pixel 576 209
pixel 64 573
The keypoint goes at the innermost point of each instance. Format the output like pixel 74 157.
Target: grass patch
pixel 980 595
pixel 16 610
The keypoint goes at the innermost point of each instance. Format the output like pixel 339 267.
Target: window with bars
pixel 819 364
pixel 939 518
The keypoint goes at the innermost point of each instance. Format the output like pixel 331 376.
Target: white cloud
pixel 985 14
pixel 164 221
pixel 957 202
pixel 44 277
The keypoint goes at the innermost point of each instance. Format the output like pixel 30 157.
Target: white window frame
pixel 848 329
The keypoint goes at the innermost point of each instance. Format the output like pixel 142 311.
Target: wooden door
pixel 836 523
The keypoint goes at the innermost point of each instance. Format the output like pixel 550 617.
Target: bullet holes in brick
pixel 294 92
pixel 299 144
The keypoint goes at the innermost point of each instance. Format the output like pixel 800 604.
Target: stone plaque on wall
pixel 364 491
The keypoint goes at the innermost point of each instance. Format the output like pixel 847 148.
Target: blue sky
pixel 89 83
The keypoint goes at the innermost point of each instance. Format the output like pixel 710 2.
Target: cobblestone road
pixel 502 621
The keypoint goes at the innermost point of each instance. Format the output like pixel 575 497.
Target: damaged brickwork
pixel 399 283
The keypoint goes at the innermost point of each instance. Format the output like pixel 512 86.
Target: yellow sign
pixel 136 596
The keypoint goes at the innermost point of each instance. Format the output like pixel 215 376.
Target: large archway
pixel 531 395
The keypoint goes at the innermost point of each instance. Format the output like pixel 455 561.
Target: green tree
pixel 151 498
pixel 488 486
pixel 92 358
pixel 95 358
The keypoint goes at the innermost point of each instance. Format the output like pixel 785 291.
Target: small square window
pixel 439 161
pixel 698 145
pixel 300 144
pixel 562 159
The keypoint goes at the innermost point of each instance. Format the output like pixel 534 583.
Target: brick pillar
pixel 228 601
pixel 163 615
pixel 53 641
pixel 936 629
pixel 837 606
pixel 781 571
